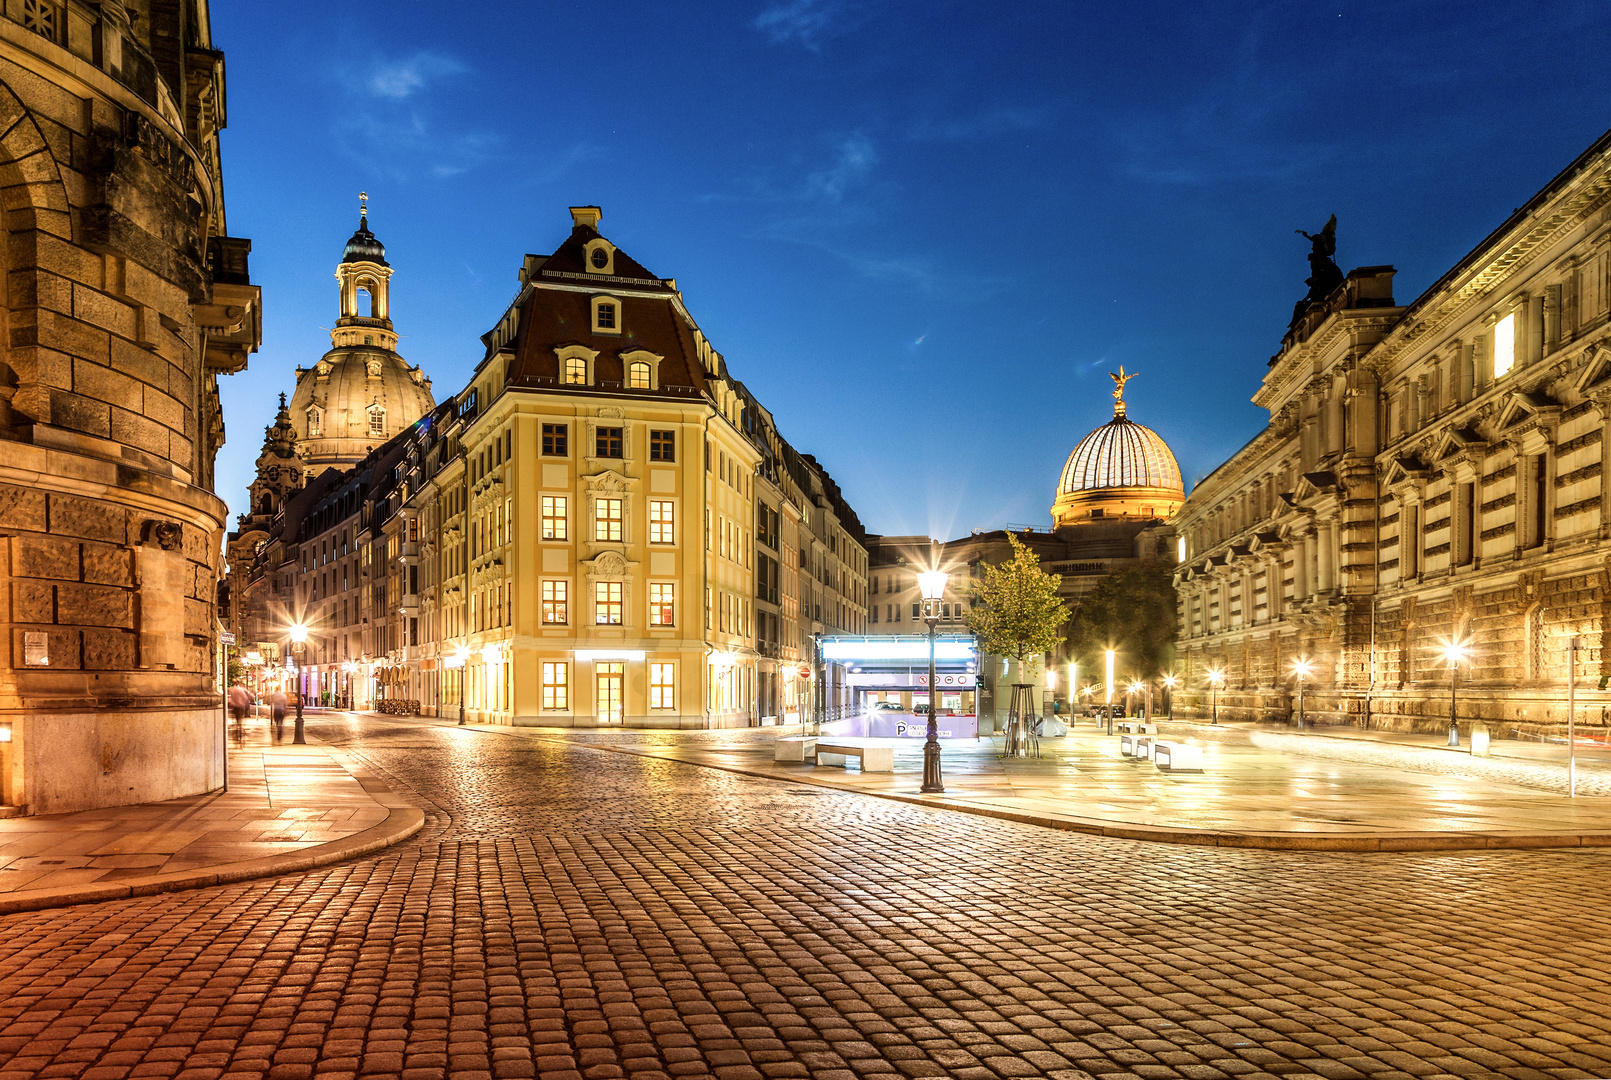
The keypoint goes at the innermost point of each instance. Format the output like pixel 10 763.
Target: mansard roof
pixel 570 260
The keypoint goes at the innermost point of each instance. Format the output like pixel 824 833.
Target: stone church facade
pixel 124 299
pixel 1432 474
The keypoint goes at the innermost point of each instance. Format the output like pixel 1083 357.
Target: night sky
pixel 921 232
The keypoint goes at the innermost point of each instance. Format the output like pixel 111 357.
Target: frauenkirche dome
pixel 1122 469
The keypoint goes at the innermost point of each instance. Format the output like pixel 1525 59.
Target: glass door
pixel 609 693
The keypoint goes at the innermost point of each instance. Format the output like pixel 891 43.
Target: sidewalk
pixel 1259 789
pixel 288 808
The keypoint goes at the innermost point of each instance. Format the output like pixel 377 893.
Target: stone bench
pixel 794 748
pixel 1136 727
pixel 872 758
pixel 1177 757
pixel 1135 746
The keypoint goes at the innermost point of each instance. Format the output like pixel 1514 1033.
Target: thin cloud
pixel 801 22
pixel 400 79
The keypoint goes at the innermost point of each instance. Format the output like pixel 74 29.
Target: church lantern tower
pixel 361 392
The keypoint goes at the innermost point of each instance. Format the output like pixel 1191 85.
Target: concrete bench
pixel 1136 727
pixel 794 748
pixel 1177 757
pixel 1135 746
pixel 769 721
pixel 872 758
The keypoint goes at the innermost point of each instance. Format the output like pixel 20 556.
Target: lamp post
pixel 1170 682
pixel 1301 668
pixel 1216 679
pixel 455 662
pixel 1453 653
pixel 932 585
pixel 1108 701
pixel 299 646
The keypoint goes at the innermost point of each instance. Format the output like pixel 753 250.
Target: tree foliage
pixel 1020 614
pixel 1133 612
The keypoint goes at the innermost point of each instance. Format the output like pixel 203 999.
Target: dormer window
pixel 600 258
pixel 638 375
pixel 576 371
pixel 606 315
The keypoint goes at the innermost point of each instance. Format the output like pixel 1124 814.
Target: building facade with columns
pixel 1432 474
pixel 125 299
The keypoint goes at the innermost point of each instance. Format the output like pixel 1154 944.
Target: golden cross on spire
pixel 1118 389
pixel 363 204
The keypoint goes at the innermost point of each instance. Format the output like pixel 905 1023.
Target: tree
pixel 1019 614
pixel 1133 612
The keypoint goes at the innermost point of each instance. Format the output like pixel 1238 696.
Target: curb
pixel 400 823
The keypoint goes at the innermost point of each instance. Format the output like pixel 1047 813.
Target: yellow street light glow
pixel 299 632
pixel 489 654
pixel 1216 676
pixel 1171 681
pixel 1301 667
pixel 931 583
pixel 1455 652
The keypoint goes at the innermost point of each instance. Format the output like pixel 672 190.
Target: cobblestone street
pixel 569 912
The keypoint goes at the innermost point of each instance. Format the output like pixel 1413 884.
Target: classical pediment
pixel 1595 378
pixel 1457 442
pixel 609 480
pixel 1407 468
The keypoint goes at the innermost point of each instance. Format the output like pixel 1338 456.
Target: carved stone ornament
pixel 165 534
pixel 372 368
pixel 610 564
pixel 609 412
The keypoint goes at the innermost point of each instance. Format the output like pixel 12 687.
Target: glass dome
pixel 1120 454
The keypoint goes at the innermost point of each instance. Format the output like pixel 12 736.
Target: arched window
pixel 313 422
pixel 576 371
pixel 377 420
pixel 638 376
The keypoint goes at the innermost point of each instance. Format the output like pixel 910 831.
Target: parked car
pixel 887 706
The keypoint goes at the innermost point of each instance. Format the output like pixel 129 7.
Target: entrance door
pixel 609 693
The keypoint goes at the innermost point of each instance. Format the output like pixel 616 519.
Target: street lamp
pixel 455 662
pixel 299 645
pixel 1301 668
pixel 1108 701
pixel 1216 679
pixel 931 583
pixel 1453 653
pixel 1170 682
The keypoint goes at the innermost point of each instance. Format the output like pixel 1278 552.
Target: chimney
pixel 586 215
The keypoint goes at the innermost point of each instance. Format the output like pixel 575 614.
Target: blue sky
pixel 921 232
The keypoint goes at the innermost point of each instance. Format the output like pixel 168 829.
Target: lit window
pixel 607 603
pixel 662 604
pixel 662 522
pixel 637 374
pixel 556 508
pixel 606 316
pixel 369 339
pixel 662 446
pixel 377 421
pixel 662 686
pixel 313 422
pixel 1504 345
pixel 608 442
pixel 555 440
pixel 607 520
pixel 556 685
pixel 556 606
pixel 576 371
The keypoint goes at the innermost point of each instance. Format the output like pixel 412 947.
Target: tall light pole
pixel 1216 679
pixel 299 646
pixel 1170 682
pixel 1573 644
pixel 455 662
pixel 932 585
pixel 1453 653
pixel 1108 701
pixel 1301 668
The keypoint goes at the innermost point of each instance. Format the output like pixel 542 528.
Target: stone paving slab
pixel 1258 790
pixel 288 808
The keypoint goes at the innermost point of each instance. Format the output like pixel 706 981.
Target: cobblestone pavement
pixel 574 913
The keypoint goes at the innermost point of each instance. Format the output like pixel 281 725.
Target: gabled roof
pixel 570 260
